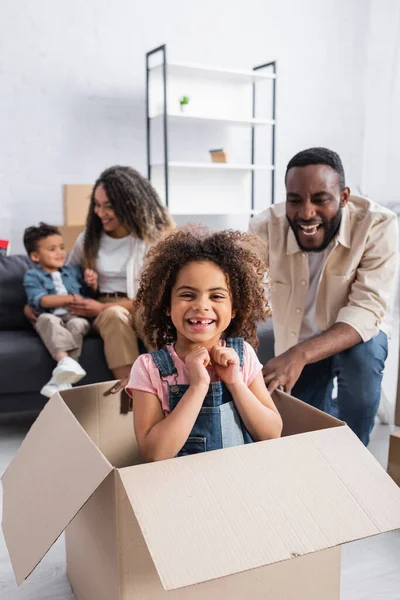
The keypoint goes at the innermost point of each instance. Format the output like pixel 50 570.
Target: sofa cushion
pixel 12 293
pixel 265 333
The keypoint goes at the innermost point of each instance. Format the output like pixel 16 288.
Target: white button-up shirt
pixel 357 280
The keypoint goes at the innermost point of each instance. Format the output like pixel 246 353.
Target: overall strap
pixel 238 345
pixel 164 362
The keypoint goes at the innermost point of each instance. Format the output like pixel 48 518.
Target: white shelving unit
pixel 219 119
pixel 222 103
pixel 212 72
pixel 211 165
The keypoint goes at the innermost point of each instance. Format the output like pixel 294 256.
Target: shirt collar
pixel 343 236
pixel 63 270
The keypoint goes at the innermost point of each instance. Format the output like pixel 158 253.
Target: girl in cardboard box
pixel 201 296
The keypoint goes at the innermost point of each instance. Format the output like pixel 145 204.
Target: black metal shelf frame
pixel 270 66
pixel 163 50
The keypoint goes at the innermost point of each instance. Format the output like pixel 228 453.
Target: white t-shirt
pixel 111 263
pixel 61 290
pixel 316 261
pixel 110 280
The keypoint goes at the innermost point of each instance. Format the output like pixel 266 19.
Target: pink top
pixel 145 375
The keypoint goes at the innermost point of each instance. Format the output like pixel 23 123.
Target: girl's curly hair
pixel 241 256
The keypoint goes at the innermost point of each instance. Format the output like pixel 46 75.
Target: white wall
pixel 73 74
pixel 382 104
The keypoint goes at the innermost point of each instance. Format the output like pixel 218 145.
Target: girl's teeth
pixel 193 322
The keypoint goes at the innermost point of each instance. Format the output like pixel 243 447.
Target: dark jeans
pixel 359 372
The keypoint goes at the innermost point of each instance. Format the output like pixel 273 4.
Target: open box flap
pixel 214 514
pixel 55 471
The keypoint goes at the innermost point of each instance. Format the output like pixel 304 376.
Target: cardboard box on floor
pixel 69 234
pixel 394 457
pixel 264 520
pixel 76 203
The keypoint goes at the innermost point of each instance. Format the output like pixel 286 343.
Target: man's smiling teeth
pixel 310 229
pixel 200 321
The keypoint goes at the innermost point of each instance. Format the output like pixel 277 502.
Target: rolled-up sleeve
pixel 372 289
pixel 34 289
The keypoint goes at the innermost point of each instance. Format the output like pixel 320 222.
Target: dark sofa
pixel 25 364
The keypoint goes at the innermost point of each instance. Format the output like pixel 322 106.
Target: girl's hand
pixel 226 364
pixel 197 362
pixel 91 278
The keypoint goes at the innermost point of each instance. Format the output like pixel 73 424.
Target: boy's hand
pixel 197 362
pixel 31 314
pixel 91 279
pixel 226 364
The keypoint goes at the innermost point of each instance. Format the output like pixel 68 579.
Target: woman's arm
pixel 161 437
pixel 257 409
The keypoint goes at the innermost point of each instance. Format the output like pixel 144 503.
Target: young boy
pixel 51 287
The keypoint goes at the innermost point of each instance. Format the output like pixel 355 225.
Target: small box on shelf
pixel 219 156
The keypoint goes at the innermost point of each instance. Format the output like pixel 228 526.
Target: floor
pixel 370 568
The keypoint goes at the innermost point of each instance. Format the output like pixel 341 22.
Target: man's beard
pixel 330 227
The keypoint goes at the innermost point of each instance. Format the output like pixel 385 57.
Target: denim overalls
pixel 218 424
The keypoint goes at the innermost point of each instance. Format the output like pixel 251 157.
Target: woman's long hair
pixel 136 206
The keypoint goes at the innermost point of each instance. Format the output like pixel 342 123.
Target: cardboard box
pixel 70 233
pixel 76 203
pixel 263 520
pixel 394 457
pixel 397 407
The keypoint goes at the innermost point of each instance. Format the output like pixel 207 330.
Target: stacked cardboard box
pixel 76 206
pixel 397 407
pixel 263 520
pixel 394 457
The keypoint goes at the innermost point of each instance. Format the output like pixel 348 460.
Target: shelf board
pixel 214 166
pixel 232 121
pixel 212 214
pixel 215 72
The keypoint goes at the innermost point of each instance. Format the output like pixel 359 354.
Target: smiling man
pixel 332 261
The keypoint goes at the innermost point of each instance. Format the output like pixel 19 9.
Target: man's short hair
pixel 33 235
pixel 318 156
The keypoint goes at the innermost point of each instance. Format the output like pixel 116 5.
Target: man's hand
pixel 31 314
pixel 284 370
pixel 85 307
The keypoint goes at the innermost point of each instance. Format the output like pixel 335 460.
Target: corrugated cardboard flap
pixel 53 474
pixel 218 513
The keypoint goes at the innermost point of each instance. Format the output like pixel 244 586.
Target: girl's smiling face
pixel 201 304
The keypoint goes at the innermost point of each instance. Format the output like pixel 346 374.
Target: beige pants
pixel 115 326
pixel 62 334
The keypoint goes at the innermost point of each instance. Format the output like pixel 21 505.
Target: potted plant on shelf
pixel 183 101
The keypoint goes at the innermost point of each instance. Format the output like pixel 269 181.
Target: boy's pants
pixel 62 333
